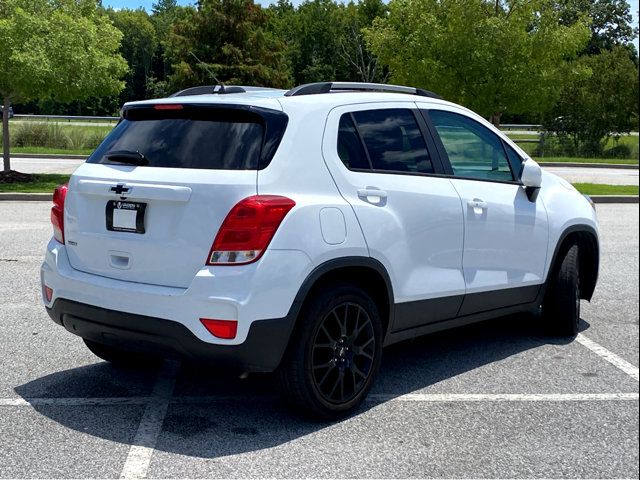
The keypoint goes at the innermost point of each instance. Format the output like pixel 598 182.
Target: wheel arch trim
pixel 341 263
pixel 561 245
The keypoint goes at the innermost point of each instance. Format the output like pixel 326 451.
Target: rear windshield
pixel 192 137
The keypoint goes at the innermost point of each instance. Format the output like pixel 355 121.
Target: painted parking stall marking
pixel 609 356
pixel 150 427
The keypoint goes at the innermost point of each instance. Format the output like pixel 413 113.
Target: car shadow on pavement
pixel 213 413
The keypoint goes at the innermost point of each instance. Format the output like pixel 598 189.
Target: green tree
pixel 361 64
pixel 610 25
pixel 598 105
pixel 65 49
pixel 139 46
pixel 231 40
pixel 324 39
pixel 165 13
pixel 493 56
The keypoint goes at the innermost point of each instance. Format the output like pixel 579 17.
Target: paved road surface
pixel 496 400
pixel 593 175
pixel 45 165
pixel 609 176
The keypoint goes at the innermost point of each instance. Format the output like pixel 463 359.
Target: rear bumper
pixel 263 290
pixel 261 351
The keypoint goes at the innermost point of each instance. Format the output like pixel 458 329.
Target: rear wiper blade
pixel 127 156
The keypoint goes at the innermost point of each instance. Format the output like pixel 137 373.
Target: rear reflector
pixel 169 106
pixel 225 329
pixel 48 293
pixel 248 229
pixel 57 212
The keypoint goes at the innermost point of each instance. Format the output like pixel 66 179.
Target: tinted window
pixel 349 145
pixel 473 150
pixel 393 140
pixel 206 138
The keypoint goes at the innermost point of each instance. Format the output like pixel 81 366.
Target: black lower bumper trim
pixel 261 351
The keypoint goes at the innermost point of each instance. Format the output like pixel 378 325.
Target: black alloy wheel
pixel 335 352
pixel 343 352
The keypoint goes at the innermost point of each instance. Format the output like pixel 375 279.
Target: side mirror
pixel 531 178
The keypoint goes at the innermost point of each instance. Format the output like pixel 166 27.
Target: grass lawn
pixel 43 183
pixel 522 136
pixel 625 161
pixel 597 189
pixel 47 150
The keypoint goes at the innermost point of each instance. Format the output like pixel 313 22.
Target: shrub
pixel 619 151
pixel 93 140
pixel 40 135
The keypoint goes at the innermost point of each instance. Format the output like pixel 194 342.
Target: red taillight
pixel 248 229
pixel 168 106
pixel 226 329
pixel 57 212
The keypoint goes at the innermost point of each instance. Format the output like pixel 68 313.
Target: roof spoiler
pixel 217 90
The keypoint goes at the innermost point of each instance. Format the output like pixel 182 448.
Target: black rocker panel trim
pixel 410 333
pixel 423 312
pixel 487 301
pixel 410 315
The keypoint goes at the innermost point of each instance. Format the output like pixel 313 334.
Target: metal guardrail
pixel 68 118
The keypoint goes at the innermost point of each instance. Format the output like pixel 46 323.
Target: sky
pixel 146 4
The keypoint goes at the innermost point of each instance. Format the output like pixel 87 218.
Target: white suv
pixel 303 231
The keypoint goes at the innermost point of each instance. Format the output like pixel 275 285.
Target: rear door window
pixel 198 138
pixel 393 140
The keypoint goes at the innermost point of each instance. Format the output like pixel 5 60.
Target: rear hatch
pixel 147 204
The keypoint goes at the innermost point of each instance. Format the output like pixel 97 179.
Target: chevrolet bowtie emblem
pixel 120 189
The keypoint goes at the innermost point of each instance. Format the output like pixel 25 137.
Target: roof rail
pixel 328 87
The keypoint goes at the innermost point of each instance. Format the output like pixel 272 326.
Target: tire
pixel 121 358
pixel 335 353
pixel 561 306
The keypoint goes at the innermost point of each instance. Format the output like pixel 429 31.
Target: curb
pixel 614 198
pixel 617 166
pixel 26 197
pixel 49 156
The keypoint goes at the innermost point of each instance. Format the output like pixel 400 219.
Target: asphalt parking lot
pixel 492 400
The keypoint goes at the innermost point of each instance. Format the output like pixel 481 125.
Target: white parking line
pixel 144 442
pixel 73 401
pixel 503 397
pixel 375 398
pixel 609 356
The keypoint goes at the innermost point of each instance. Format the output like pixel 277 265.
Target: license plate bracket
pixel 125 216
